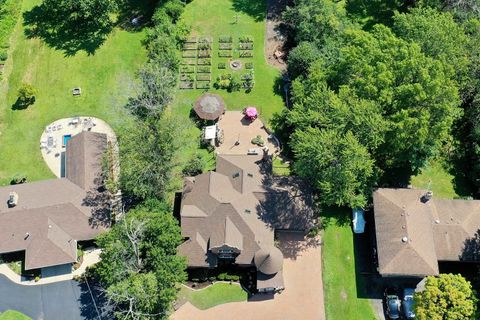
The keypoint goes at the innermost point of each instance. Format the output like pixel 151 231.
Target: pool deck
pixel 55 132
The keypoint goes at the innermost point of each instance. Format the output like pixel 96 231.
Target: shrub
pixel 26 94
pixel 258 140
pixel 225 54
pixel 203 69
pixel 222 65
pixel 203 77
pixel 225 39
pixel 194 166
pixel 204 62
pixel 3 55
pixel 249 65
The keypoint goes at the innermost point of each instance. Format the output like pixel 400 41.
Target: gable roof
pixel 413 234
pixel 52 215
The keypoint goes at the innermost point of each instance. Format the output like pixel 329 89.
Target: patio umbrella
pixel 251 112
pixel 209 106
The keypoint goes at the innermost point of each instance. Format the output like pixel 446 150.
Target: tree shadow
pixel 471 249
pixel 372 12
pixel 142 10
pixel 335 216
pixel 63 34
pixel 92 300
pixel 254 8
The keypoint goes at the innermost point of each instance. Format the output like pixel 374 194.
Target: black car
pixel 392 304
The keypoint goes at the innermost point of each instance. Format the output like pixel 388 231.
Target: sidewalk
pixel 90 258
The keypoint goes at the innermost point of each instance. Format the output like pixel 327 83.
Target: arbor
pixel 337 164
pixel 139 267
pixel 446 297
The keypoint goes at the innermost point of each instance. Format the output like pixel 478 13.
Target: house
pixel 230 215
pixel 47 219
pixel 414 232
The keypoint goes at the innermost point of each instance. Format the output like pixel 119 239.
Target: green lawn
pixel 13 315
pixel 213 295
pixel 104 77
pixel 214 18
pixel 339 276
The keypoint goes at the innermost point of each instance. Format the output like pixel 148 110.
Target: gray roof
pixel 50 217
pixel 413 234
pixel 226 207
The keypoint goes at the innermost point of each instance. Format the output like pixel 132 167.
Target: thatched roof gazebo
pixel 209 106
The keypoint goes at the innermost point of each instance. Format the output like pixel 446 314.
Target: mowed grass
pixel 105 78
pixel 213 295
pixel 215 18
pixel 339 276
pixel 13 315
pixel 436 178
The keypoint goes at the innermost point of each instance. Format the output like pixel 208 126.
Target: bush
pixel 225 54
pixel 222 65
pixel 249 65
pixel 194 166
pixel 225 39
pixel 258 140
pixel 203 69
pixel 3 55
pixel 26 94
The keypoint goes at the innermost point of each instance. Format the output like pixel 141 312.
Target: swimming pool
pixel 66 138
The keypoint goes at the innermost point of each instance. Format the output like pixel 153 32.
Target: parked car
pixel 407 303
pixel 392 303
pixel 358 220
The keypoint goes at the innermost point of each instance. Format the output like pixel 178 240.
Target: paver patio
pixel 301 299
pixel 236 128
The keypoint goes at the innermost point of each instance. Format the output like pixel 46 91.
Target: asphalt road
pixel 65 300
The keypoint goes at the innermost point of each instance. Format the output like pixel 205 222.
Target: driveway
pixel 301 299
pixel 56 301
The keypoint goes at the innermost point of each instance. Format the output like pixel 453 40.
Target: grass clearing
pixel 339 274
pixel 13 315
pixel 105 78
pixel 218 293
pixel 216 18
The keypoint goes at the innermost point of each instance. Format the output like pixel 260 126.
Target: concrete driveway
pixel 301 299
pixel 56 301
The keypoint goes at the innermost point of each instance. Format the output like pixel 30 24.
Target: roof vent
pixel 437 221
pixel 405 239
pixel 248 211
pixel 236 175
pixel 26 236
pixel 12 199
pixel 250 175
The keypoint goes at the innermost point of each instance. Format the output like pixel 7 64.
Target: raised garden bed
pixel 225 39
pixel 246 54
pixel 203 85
pixel 245 46
pixel 189 46
pixel 191 40
pixel 189 54
pixel 186 85
pixel 187 69
pixel 245 39
pixel 225 46
pixel 204 69
pixel 186 77
pixel 204 62
pixel 222 65
pixel 203 77
pixel 189 61
pixel 225 54
pixel 249 66
pixel 206 53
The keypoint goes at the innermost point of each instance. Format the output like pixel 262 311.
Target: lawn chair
pixel 43 144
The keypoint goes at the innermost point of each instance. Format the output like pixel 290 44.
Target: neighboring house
pixel 230 216
pixel 47 219
pixel 415 232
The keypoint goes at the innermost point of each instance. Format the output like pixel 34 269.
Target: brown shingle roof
pixel 52 215
pixel 269 260
pixel 435 230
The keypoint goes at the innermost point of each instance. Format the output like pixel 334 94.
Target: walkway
pixel 302 298
pixel 90 257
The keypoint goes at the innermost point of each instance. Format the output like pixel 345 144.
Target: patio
pixel 238 133
pixel 55 136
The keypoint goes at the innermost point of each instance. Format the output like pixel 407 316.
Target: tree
pixel 139 267
pixel 337 165
pixel 416 94
pixel 446 297
pixel 150 152
pixel 26 94
pixel 301 58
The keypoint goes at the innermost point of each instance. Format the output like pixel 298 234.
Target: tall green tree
pixel 337 165
pixel 446 297
pixel 139 267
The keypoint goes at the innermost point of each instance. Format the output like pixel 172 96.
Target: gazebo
pixel 209 106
